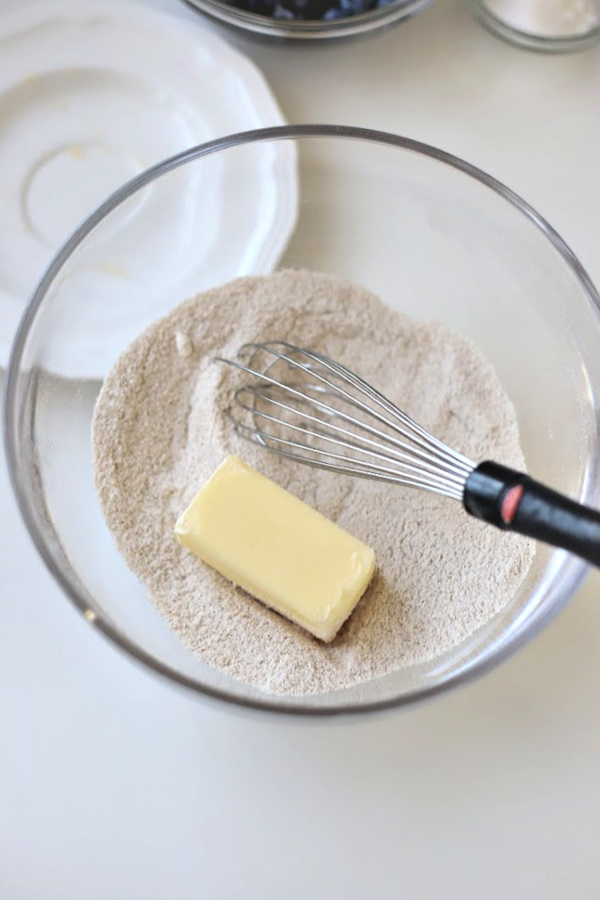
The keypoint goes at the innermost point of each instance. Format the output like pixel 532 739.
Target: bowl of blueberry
pixel 309 19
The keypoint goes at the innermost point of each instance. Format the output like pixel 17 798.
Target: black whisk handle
pixel 515 502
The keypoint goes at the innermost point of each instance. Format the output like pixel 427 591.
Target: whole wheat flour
pixel 160 431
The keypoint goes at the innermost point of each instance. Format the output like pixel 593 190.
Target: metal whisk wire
pixel 314 421
pixel 303 405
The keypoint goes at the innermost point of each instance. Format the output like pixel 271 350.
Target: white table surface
pixel 115 785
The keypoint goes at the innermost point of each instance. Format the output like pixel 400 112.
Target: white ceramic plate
pixel 91 93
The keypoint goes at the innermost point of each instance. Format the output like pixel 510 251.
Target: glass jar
pixel 551 25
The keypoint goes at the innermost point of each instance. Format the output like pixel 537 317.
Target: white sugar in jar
pixel 543 24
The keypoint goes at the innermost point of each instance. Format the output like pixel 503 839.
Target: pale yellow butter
pixel 277 548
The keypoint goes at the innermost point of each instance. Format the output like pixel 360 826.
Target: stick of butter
pixel 277 548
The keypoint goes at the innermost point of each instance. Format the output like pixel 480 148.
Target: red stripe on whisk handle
pixel 510 504
pixel 513 501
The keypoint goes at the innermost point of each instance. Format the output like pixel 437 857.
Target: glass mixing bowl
pixel 276 27
pixel 432 235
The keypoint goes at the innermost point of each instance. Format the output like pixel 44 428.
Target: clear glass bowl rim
pixel 568 575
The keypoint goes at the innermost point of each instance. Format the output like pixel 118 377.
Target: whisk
pixel 304 405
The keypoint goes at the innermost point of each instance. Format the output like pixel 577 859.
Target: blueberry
pixel 280 12
pixel 308 10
